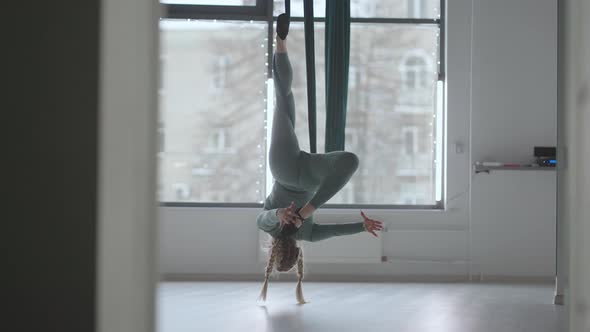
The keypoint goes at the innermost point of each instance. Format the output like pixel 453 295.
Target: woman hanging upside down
pixel 303 181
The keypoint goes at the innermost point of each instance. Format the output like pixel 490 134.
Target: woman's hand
pixel 372 225
pixel 289 216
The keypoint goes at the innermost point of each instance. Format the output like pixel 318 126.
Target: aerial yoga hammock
pixel 303 181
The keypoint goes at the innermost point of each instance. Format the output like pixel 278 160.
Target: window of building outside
pixel 351 138
pixel 182 191
pixel 416 8
pixel 410 143
pixel 161 138
pixel 218 99
pixel 220 72
pixel 416 73
pixel 219 140
pixel 354 77
pixel 416 70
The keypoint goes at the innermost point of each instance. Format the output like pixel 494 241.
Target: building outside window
pixel 221 132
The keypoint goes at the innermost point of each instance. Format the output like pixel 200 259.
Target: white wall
pixel 574 130
pixel 514 78
pixel 221 242
pixel 427 243
pixel 514 108
pixel 562 277
pixel 127 268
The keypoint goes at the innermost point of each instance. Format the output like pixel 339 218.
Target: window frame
pixel 259 12
pixel 263 12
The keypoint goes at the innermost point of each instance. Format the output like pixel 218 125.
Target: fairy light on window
pixel 268 127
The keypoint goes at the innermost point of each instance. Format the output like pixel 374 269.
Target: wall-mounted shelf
pixel 487 169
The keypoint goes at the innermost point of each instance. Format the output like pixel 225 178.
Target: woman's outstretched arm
pixel 320 232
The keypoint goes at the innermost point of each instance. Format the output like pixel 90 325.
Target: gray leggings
pixel 324 173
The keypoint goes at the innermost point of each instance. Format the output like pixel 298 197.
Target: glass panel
pixel 212 2
pixel 212 105
pixel 391 91
pixel 370 8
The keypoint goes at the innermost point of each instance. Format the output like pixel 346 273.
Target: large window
pixel 216 100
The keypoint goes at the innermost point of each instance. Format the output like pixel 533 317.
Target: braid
pixel 299 290
pixel 271 260
pixel 300 265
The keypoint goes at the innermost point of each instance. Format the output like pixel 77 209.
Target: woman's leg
pixel 284 151
pixel 326 173
pixel 329 172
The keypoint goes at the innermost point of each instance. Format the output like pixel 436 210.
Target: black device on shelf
pixel 546 156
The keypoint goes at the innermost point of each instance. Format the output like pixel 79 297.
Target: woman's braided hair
pixel 284 255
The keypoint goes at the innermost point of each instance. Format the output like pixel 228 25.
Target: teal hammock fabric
pixel 310 65
pixel 337 60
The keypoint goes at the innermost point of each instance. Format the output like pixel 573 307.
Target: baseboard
pixel 186 277
pixel 354 278
pixel 516 279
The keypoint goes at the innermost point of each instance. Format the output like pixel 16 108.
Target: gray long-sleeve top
pixel 282 197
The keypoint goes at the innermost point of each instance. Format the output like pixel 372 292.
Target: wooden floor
pixel 399 307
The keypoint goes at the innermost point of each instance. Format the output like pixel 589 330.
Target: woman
pixel 303 181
